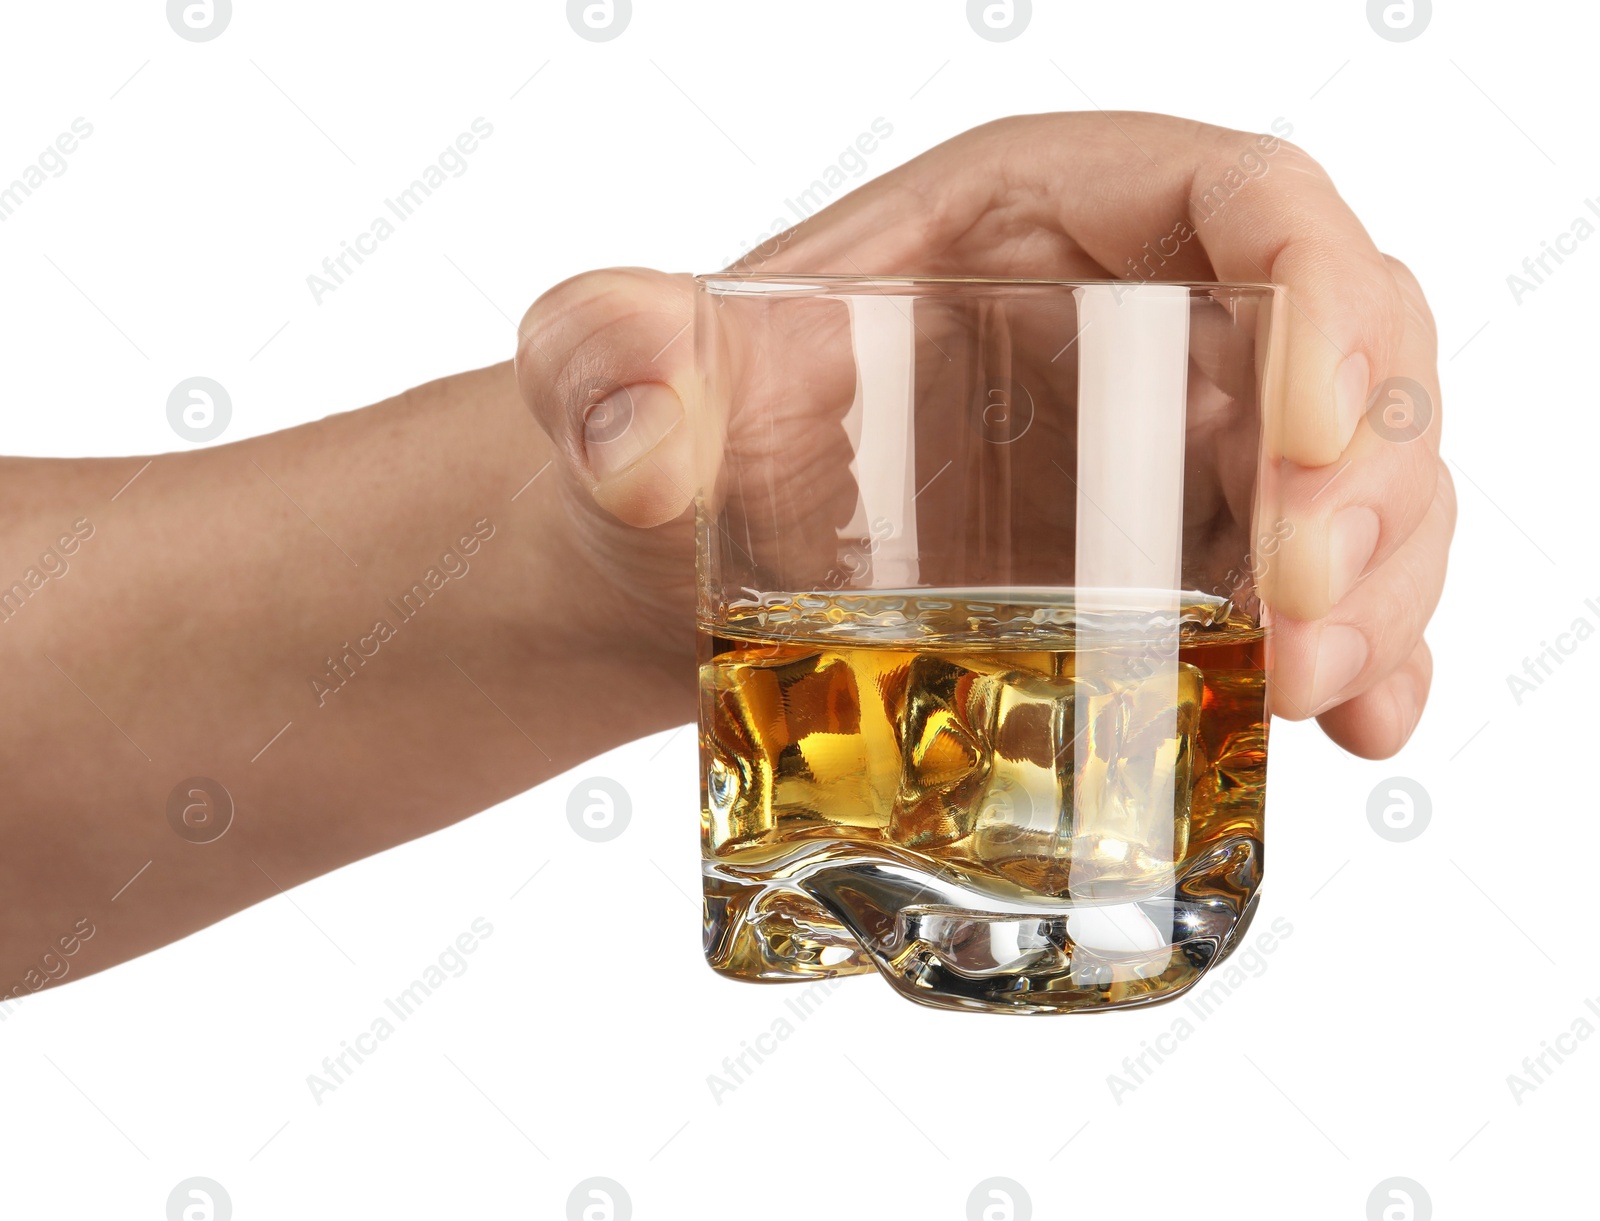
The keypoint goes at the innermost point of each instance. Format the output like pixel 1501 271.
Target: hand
pixel 1093 196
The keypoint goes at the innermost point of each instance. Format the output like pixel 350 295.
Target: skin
pixel 215 585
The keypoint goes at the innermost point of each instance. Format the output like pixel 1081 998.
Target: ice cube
pixel 944 714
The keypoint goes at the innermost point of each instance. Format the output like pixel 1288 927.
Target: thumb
pixel 605 361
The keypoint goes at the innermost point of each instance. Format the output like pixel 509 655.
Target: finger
pixel 1379 721
pixel 1319 664
pixel 780 379
pixel 1141 196
pixel 606 365
pixel 1348 517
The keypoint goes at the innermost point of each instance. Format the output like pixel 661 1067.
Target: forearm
pixel 363 629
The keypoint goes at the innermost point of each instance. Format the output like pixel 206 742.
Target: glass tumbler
pixel 981 651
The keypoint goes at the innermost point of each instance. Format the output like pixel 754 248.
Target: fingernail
pixel 1351 386
pixel 1352 538
pixel 626 425
pixel 1341 652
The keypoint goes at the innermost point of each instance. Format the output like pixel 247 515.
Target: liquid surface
pixel 1010 788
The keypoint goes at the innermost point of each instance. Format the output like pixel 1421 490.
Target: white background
pixel 1379 1037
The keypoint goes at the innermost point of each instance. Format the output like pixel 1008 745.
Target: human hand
pixel 606 364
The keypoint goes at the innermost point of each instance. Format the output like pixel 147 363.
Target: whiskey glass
pixel 982 642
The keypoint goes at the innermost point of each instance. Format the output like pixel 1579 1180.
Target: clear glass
pixel 982 660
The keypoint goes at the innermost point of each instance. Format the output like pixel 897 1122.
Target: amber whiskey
pixel 1018 800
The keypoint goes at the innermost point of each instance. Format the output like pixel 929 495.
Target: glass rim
pixel 760 283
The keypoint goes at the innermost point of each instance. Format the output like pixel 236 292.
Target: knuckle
pixel 1402 272
pixel 1411 294
pixel 1419 471
pixel 1403 607
pixel 1444 494
pixel 1293 156
pixel 592 290
pixel 1012 124
pixel 1220 150
pixel 1412 594
pixel 1421 663
pixel 556 326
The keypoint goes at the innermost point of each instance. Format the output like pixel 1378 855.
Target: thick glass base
pixel 953 941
